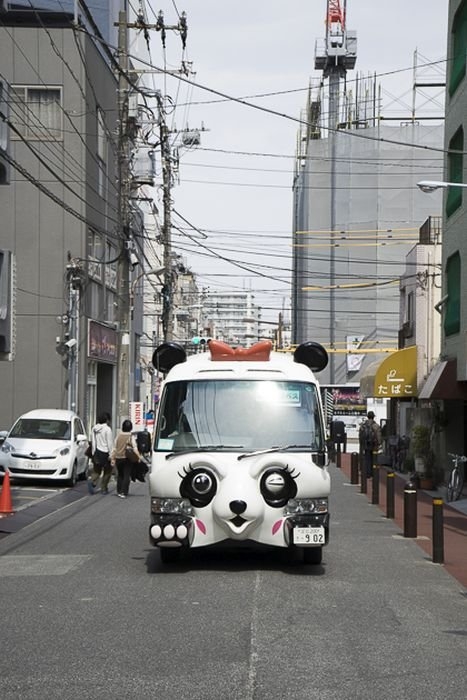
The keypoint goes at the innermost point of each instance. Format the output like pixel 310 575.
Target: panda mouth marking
pixel 238 521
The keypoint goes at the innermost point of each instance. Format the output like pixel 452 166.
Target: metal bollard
pixel 410 509
pixel 338 456
pixel 375 486
pixel 362 475
pixel 354 468
pixel 390 495
pixel 438 531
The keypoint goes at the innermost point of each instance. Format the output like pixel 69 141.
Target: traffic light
pixel 6 304
pixel 200 340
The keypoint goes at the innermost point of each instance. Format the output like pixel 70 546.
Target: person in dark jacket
pixel 101 445
pixel 370 442
pixel 118 457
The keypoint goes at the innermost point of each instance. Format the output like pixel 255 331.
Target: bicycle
pixel 456 478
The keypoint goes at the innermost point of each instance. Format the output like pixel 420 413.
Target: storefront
pixel 394 378
pixel 102 376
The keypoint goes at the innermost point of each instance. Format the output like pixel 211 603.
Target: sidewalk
pixel 455 518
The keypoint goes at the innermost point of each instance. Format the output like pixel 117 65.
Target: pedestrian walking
pixel 101 448
pixel 370 442
pixel 120 460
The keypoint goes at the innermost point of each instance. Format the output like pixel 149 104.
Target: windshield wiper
pixel 278 448
pixel 203 448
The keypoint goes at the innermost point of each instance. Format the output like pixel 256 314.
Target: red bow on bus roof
pixel 258 352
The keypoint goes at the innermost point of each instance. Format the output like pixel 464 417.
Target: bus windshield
pixel 240 415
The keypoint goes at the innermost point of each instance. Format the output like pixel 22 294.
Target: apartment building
pixel 446 388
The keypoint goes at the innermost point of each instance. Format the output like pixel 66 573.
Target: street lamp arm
pixel 432 185
pixel 154 271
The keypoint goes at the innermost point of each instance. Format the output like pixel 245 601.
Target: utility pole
pixel 280 326
pixel 167 289
pixel 72 341
pixel 123 270
pixel 167 160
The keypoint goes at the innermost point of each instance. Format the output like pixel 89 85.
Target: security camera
pixel 134 260
pixel 71 343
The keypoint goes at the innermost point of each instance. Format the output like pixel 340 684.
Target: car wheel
pixel 312 555
pixel 74 475
pixel 170 555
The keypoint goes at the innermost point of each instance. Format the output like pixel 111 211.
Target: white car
pixel 46 444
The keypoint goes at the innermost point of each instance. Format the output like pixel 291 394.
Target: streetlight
pixel 154 271
pixel 432 185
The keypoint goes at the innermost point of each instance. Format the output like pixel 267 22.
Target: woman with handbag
pixel 124 454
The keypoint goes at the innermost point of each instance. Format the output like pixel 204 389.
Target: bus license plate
pixel 309 535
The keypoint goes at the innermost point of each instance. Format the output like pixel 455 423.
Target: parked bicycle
pixel 456 477
pixel 397 447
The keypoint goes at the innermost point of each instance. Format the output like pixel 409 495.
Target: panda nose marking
pixel 237 507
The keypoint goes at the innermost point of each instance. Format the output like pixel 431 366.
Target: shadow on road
pixel 234 557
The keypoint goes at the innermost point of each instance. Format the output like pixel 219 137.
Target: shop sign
pixel 137 415
pixel 102 342
pixel 396 377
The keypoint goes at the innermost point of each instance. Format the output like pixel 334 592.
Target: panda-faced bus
pixel 239 450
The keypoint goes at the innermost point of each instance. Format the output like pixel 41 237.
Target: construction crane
pixel 337 55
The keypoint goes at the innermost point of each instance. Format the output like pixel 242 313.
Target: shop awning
pixel 395 377
pixel 442 383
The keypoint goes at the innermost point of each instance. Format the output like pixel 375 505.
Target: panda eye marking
pixel 198 485
pixel 186 470
pixel 293 472
pixel 277 486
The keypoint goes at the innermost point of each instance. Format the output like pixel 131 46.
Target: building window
pixel 452 317
pixel 5 109
pixel 111 266
pixel 458 47
pixel 410 307
pixel 37 112
pixel 455 171
pixel 101 153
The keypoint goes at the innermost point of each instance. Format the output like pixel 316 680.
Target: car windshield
pixel 239 415
pixel 41 429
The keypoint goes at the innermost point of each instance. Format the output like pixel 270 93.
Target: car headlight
pixel 171 505
pixel 7 447
pixel 297 506
pixel 63 451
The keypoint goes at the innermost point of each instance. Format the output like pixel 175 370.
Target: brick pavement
pixel 454 520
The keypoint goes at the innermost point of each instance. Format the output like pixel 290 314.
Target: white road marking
pixel 40 564
pixel 251 680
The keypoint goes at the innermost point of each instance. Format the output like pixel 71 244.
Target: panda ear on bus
pixel 311 354
pixel 168 355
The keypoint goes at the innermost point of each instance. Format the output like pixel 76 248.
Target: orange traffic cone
pixel 6 506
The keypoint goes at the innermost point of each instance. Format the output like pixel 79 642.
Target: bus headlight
pixel 179 506
pixel 297 506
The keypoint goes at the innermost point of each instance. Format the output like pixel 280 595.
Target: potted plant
pixel 423 455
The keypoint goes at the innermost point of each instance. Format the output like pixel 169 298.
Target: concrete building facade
pixel 446 390
pixel 357 213
pixel 59 204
